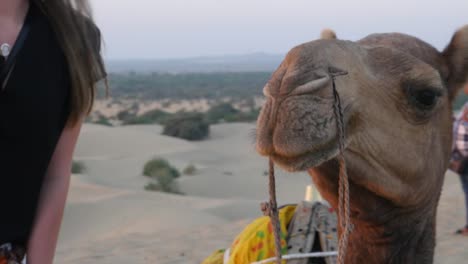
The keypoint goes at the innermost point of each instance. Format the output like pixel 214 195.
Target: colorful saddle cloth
pixel 11 254
pixel 302 226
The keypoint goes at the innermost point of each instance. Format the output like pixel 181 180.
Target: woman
pixel 49 64
pixel 461 149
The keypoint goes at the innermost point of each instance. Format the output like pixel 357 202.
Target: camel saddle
pixel 313 228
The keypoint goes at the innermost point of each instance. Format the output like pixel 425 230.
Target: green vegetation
pixel 187 126
pixel 163 183
pixel 152 187
pixel 221 112
pixel 126 115
pixel 162 175
pixel 155 166
pixel 102 120
pixel 190 170
pixel 152 86
pixel 241 87
pixel 151 117
pixel 78 167
pixel 224 112
pixel 250 116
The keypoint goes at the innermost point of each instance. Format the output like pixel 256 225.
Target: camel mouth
pixel 301 132
pixel 307 160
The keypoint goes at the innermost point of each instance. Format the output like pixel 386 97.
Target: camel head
pixel 396 97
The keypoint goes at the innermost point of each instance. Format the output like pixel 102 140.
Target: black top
pixel 34 107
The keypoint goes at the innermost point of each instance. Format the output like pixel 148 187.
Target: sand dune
pixel 110 218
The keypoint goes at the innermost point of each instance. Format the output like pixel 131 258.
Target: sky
pixel 164 29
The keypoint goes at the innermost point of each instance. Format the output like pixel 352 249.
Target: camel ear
pixel 456 57
pixel 328 34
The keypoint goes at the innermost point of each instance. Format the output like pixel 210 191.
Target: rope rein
pixel 343 185
pixel 271 209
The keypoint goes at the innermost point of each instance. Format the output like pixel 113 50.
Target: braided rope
pixel 273 211
pixel 343 187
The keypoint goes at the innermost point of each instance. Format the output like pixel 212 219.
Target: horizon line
pixel 195 57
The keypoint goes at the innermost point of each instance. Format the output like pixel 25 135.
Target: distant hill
pixel 256 62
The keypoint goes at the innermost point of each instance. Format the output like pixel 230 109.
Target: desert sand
pixel 110 218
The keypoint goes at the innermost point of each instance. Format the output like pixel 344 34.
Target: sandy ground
pixel 110 218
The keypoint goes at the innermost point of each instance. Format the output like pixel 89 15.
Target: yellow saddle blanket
pixel 256 242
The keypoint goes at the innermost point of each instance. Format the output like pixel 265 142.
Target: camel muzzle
pixel 299 129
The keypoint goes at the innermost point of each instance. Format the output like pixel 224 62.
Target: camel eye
pixel 424 98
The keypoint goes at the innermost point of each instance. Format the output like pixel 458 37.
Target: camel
pixel 396 99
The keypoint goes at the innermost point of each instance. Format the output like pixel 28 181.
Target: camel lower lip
pixel 305 161
pixel 301 163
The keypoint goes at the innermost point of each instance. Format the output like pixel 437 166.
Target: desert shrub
pixel 250 116
pixel 152 186
pixel 135 107
pixel 187 126
pixel 151 117
pixel 102 120
pixel 221 112
pixel 165 180
pixel 78 167
pixel 156 167
pixel 166 104
pixel 163 176
pixel 225 112
pixel 125 115
pixel 190 170
pixel 163 183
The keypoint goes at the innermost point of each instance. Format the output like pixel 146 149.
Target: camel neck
pixel 383 233
pixel 411 240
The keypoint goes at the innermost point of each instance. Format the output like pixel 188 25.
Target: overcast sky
pixel 155 29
